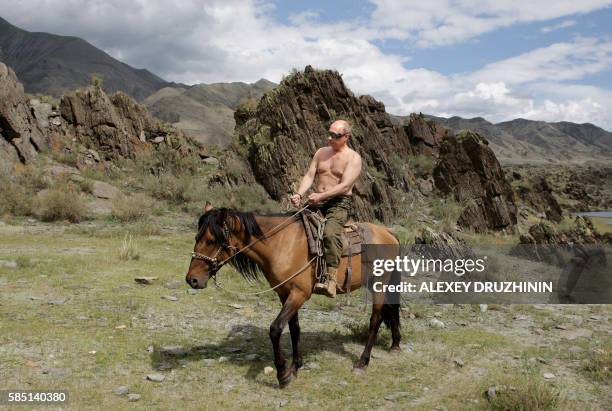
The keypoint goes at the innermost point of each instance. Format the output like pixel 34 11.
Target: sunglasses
pixel 336 135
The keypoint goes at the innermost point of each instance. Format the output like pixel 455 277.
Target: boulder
pixel 105 191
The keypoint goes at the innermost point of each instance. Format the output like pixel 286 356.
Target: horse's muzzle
pixel 195 283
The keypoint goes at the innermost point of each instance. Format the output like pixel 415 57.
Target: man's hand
pixel 295 200
pixel 314 198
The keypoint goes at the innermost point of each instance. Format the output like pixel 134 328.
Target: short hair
pixel 346 126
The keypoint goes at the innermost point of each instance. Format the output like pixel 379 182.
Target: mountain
pixel 205 112
pixel 529 141
pixel 50 64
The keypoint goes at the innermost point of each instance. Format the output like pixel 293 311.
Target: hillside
pixel 51 65
pixel 527 141
pixel 205 112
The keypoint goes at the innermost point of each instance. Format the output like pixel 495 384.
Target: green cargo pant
pixel 337 211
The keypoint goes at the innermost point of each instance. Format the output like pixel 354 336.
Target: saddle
pixel 354 234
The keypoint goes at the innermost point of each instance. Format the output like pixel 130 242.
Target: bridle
pixel 215 265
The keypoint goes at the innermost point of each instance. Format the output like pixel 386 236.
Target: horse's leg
pixel 294 328
pixel 375 320
pixel 394 323
pixel 290 307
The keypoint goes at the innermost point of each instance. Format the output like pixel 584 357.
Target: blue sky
pixel 543 60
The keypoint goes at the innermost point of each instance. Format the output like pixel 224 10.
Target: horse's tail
pixel 390 314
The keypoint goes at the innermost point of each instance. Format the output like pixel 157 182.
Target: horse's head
pixel 220 233
pixel 210 247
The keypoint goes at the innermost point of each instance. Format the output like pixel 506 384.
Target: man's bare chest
pixel 334 164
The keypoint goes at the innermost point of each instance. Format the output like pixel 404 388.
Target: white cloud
pixel 560 61
pixel 442 22
pixel 562 25
pixel 231 40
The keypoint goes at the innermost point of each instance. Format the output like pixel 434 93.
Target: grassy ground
pixel 72 317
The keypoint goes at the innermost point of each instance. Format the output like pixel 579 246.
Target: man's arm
pixel 308 178
pixel 350 175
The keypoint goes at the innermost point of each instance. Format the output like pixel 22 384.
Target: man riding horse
pixel 335 169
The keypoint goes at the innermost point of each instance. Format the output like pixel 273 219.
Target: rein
pixel 216 265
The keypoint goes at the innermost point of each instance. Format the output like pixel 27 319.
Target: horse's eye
pixel 210 242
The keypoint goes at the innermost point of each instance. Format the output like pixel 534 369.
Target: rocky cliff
pixel 469 170
pixel 89 124
pixel 20 134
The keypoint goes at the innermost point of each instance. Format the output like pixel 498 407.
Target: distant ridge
pixel 521 140
pixel 205 111
pixel 50 64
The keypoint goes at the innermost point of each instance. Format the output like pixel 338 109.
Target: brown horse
pixel 276 246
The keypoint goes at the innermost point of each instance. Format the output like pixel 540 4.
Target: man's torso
pixel 330 168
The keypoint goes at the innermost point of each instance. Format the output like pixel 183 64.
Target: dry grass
pixel 129 249
pixel 132 208
pixel 525 393
pixel 599 365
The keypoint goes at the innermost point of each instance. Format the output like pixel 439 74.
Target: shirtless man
pixel 335 168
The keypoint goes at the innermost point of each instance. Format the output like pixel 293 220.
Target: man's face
pixel 334 131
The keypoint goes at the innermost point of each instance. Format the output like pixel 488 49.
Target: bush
pixel 422 165
pixel 15 199
pixel 447 211
pixel 131 208
pixel 166 160
pixel 86 186
pixel 169 187
pixel 59 204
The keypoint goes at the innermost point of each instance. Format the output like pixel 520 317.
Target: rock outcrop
pixel 114 126
pixel 20 134
pixel 581 232
pixel 425 134
pixel 290 123
pixel 575 187
pixel 536 194
pixel 88 124
pixel 468 169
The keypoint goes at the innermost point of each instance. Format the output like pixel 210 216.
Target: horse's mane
pixel 214 219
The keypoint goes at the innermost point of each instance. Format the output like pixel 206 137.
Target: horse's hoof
pixel 357 370
pixel 395 350
pixel 286 379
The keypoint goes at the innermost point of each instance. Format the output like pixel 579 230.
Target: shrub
pixel 58 204
pixel 166 160
pixel 131 208
pixel 86 186
pixel 15 199
pixel 175 189
pixel 447 212
pixel 422 165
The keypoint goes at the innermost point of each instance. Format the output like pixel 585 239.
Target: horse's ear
pixel 208 207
